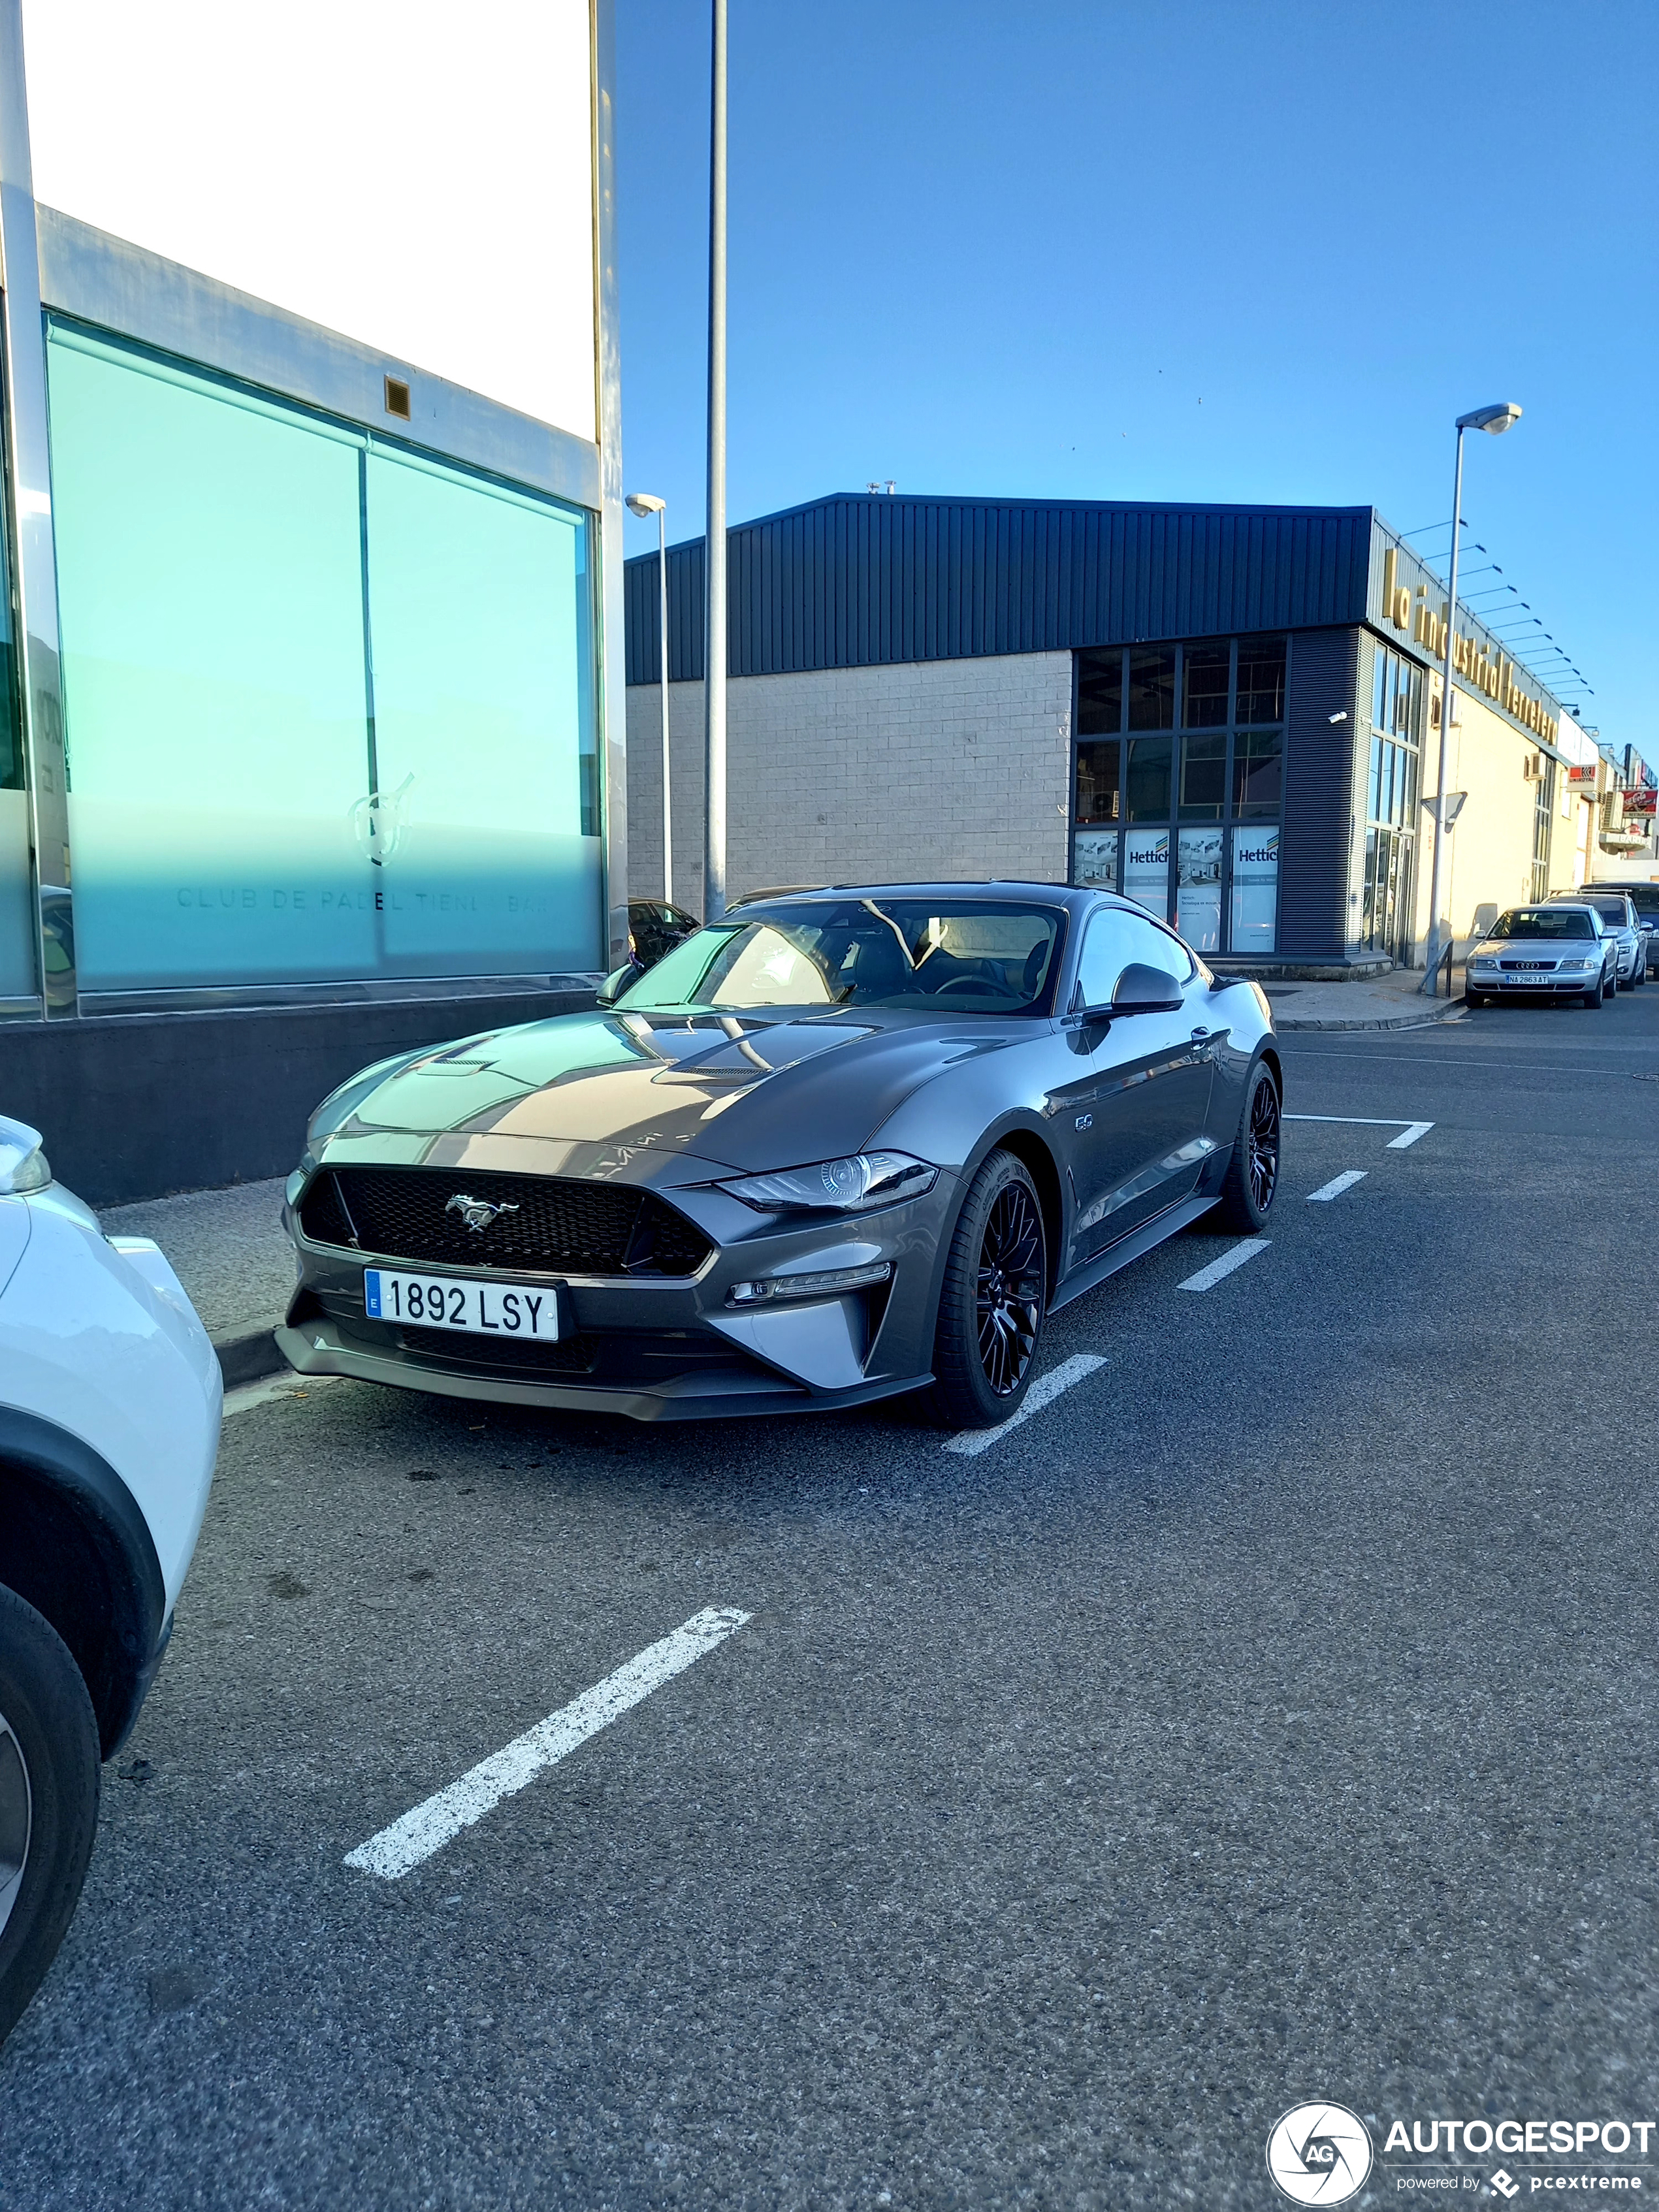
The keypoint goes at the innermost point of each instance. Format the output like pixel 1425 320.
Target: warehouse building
pixel 1229 713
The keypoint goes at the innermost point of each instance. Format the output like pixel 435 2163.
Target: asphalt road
pixel 1270 1717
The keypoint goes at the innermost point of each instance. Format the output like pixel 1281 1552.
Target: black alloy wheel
pixel 993 1300
pixel 48 1798
pixel 1009 1292
pixel 1252 1179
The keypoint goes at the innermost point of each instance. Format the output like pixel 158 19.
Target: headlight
pixel 1575 964
pixel 837 1186
pixel 1483 960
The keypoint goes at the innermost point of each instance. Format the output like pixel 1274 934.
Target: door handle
pixel 1200 1035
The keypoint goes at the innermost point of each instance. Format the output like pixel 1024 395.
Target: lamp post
pixel 714 567
pixel 643 503
pixel 1493 420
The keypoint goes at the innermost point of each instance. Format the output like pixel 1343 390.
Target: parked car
pixel 1644 897
pixel 1620 921
pixel 1560 951
pixel 837 1147
pixel 109 1427
pixel 656 926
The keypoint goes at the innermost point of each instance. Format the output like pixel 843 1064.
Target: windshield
pixel 1644 897
pixel 1543 921
pixel 950 956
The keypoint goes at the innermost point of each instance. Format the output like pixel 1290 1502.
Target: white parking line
pixel 1411 1131
pixel 970 1443
pixel 1207 1278
pixel 434 1823
pixel 1415 1131
pixel 1336 1185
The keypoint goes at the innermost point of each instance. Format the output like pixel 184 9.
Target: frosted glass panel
pixel 1146 869
pixel 211 584
pixel 479 632
pixel 1198 896
pixel 1095 860
pixel 1255 891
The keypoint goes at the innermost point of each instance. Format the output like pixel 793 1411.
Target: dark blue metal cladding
pixel 859 580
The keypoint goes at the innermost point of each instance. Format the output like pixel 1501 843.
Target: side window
pixel 1117 940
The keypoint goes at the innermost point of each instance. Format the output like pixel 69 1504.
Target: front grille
pixel 568 1227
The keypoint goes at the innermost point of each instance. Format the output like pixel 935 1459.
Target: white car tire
pixel 49 1779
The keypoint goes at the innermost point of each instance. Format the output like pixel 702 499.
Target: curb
pixel 249 1357
pixel 1454 1012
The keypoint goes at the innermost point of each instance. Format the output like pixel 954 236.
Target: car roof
pixel 996 891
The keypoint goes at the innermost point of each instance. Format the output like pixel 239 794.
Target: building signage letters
pixel 1493 673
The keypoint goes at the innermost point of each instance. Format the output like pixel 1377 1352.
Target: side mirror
pixel 617 982
pixel 1146 991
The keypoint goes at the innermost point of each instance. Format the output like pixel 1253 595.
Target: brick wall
pixel 941 768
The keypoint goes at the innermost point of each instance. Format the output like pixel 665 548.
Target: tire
pixel 992 1301
pixel 1252 1179
pixel 1475 998
pixel 1593 999
pixel 1641 974
pixel 49 1778
pixel 1610 990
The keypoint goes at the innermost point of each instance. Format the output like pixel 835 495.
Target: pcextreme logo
pixel 1319 2154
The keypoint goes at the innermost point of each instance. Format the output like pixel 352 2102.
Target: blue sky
pixel 1250 253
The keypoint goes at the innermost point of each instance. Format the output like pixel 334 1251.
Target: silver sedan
pixel 1553 950
pixel 1620 921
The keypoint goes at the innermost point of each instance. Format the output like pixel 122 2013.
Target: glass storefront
pixel 1391 798
pixel 330 705
pixel 1178 784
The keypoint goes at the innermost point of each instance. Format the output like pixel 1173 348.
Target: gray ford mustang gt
pixel 840 1144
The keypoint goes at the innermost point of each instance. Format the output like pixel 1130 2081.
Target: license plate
pixel 442 1302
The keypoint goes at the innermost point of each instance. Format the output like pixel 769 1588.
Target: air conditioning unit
pixel 1532 766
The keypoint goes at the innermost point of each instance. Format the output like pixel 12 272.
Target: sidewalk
pixel 1394 1001
pixel 229 1250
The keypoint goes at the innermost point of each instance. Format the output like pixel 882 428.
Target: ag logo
pixel 1319 2155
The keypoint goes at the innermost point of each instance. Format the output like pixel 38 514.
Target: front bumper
pixel 1551 983
pixel 655 1348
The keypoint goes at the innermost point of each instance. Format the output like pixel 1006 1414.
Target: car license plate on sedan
pixel 442 1302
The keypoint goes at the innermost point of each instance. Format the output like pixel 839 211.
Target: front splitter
pixel 314 1351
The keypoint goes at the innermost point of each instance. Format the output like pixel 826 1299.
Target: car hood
pixel 649 1097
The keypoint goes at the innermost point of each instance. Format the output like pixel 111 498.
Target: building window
pixel 1151 690
pixel 1391 801
pixel 1205 673
pixel 1201 742
pixel 253 796
pixel 1148 779
pixel 1542 820
pixel 1098 798
pixel 1204 777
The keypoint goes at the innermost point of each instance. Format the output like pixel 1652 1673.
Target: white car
pixel 109 1428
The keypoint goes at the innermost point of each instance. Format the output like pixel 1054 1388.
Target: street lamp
pixel 1494 420
pixel 714 566
pixel 643 503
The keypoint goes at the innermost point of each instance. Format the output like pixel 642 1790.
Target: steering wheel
pixel 977 983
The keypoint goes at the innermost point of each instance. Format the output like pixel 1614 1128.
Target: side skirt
pixel 1135 1246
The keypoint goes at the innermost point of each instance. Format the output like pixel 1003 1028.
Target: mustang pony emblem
pixel 476 1213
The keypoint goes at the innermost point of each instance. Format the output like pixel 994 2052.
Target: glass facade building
pixel 1178 784
pixel 329 702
